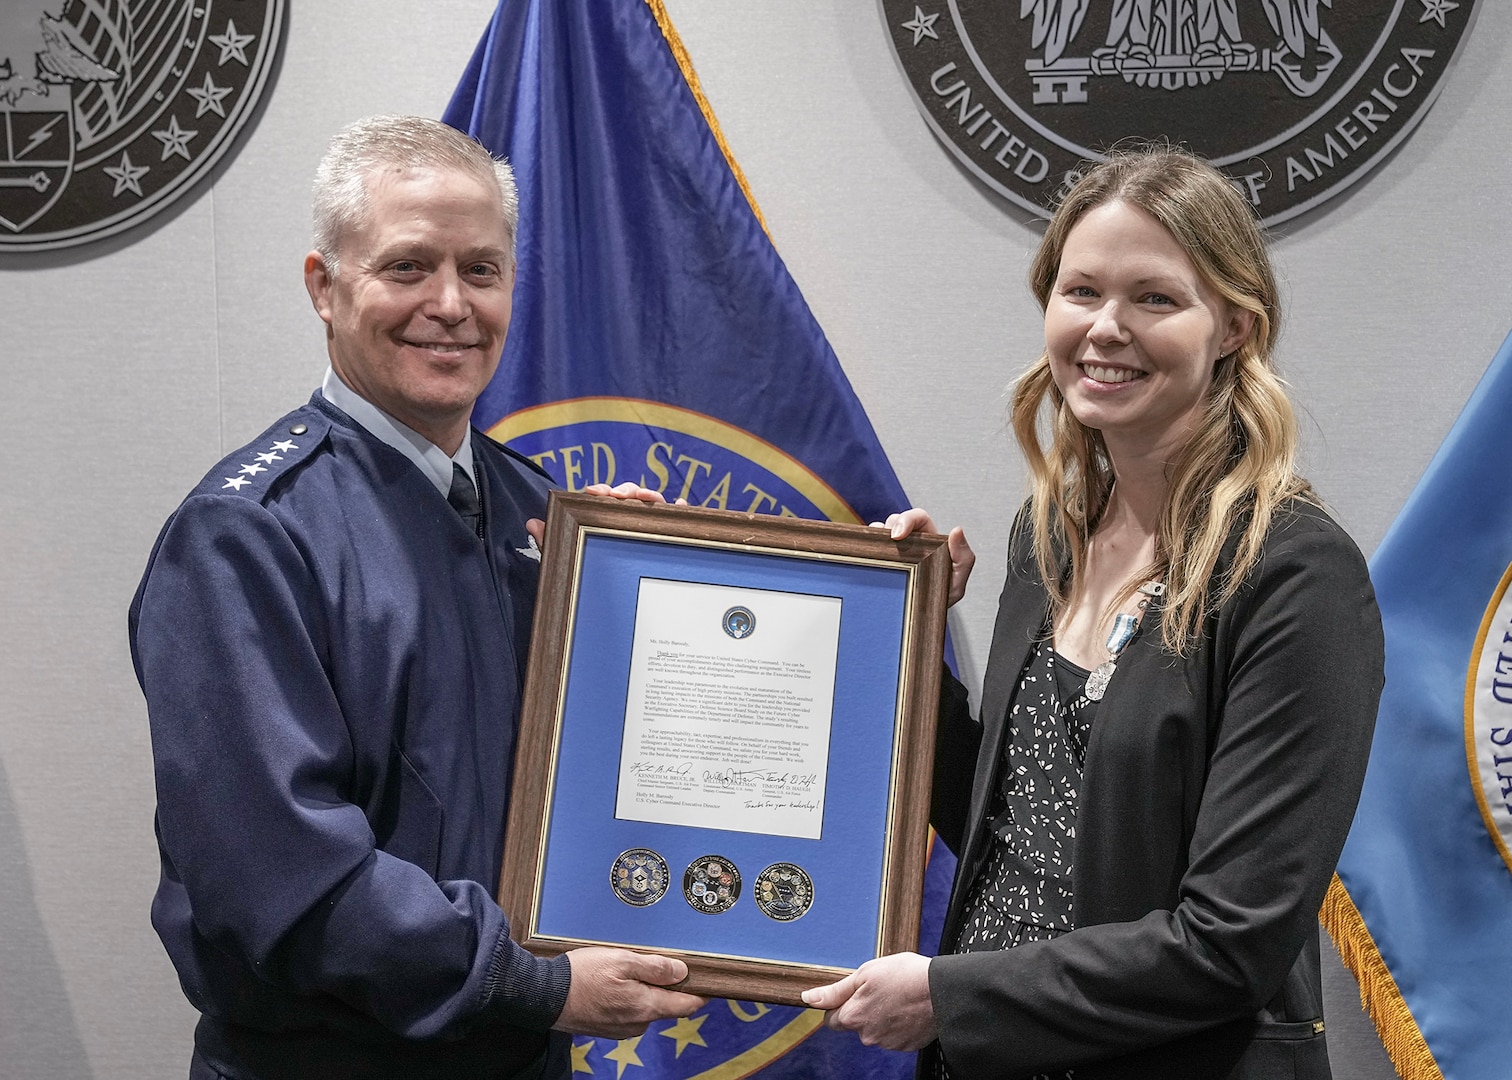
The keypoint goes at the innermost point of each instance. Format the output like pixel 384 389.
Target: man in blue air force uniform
pixel 331 637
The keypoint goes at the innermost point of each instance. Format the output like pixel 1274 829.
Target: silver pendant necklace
pixel 1124 627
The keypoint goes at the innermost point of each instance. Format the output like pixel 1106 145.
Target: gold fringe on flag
pixel 1379 995
pixel 685 62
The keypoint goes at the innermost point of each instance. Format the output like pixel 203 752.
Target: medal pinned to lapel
pixel 1124 628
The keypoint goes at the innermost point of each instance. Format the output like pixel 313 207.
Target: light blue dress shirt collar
pixel 429 458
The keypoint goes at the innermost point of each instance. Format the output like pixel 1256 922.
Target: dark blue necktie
pixel 464 499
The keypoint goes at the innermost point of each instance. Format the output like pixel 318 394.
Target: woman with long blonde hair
pixel 1180 691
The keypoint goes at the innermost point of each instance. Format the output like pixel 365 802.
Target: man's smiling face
pixel 418 309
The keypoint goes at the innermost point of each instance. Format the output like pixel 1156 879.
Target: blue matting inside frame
pixel 584 837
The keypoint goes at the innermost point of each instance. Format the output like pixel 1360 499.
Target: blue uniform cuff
pixel 526 991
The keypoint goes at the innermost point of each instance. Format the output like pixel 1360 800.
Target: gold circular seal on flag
pixel 1488 718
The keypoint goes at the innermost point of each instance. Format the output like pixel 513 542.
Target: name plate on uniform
pixel 726 744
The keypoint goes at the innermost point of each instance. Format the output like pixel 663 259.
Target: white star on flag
pixel 235 483
pixel 284 447
pixel 269 458
pixel 254 469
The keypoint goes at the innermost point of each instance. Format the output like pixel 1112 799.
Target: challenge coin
pixel 711 884
pixel 639 877
pixel 784 892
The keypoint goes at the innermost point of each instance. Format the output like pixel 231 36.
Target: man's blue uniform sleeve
pixel 255 763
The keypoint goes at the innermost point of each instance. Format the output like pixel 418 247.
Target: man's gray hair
pixel 341 200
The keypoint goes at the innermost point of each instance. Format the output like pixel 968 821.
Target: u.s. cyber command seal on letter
pixel 1295 99
pixel 110 110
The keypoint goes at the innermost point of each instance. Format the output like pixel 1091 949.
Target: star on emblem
pixel 233 46
pixel 685 1031
pixel 175 140
pixel 235 483
pixel 580 1057
pixel 1437 9
pixel 922 25
pixel 209 97
pixel 530 550
pixel 127 176
pixel 269 458
pixel 624 1054
pixel 284 447
pixel 254 469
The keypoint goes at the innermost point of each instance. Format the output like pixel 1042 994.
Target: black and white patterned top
pixel 1023 891
pixel 1028 875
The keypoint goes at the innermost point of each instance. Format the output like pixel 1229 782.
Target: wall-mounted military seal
pixel 110 110
pixel 1294 99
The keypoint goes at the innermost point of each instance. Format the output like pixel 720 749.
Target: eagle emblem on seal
pixel 1174 44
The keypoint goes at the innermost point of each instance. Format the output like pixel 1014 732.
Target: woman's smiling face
pixel 1133 331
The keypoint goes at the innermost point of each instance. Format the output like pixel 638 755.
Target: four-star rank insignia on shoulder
pixel 251 469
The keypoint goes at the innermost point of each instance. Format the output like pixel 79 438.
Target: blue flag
pixel 658 337
pixel 1422 906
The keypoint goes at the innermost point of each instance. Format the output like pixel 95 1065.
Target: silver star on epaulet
pixel 252 468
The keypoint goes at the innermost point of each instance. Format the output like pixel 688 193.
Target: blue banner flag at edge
pixel 1421 908
pixel 657 336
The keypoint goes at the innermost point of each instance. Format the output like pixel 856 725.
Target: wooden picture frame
pixel 839 878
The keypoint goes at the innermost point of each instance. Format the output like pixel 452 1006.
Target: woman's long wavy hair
pixel 1238 467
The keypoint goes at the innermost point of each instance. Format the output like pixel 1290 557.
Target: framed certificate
pixel 727 742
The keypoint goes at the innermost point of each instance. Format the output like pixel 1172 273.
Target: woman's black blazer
pixel 1217 792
